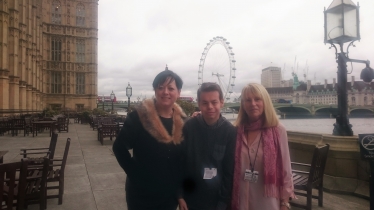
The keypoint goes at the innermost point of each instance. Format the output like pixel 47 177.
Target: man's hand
pixel 182 204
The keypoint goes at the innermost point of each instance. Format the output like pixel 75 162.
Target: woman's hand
pixel 182 204
pixel 195 114
pixel 284 208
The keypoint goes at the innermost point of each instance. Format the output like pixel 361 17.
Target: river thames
pixel 316 125
pixel 321 125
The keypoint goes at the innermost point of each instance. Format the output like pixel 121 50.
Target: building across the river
pixel 271 77
pixel 48 55
pixel 359 93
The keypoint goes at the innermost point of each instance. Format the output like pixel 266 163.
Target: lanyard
pixel 249 156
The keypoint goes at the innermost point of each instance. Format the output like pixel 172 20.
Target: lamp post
pixel 342 25
pixel 103 100
pixel 128 94
pixel 97 103
pixel 112 99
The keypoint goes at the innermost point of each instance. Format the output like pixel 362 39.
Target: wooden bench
pixel 305 181
pixel 107 130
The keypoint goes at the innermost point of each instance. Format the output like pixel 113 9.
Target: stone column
pixel 13 93
pixel 33 99
pixel 4 56
pixel 29 97
pixel 22 95
pixel 4 90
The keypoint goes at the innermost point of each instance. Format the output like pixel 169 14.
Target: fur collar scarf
pixel 151 122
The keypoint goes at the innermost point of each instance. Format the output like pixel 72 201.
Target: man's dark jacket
pixel 209 147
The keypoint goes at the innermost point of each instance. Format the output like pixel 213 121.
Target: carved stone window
pixel 56 12
pixel 80 15
pixel 80 83
pixel 56 82
pixel 79 107
pixel 56 48
pixel 80 51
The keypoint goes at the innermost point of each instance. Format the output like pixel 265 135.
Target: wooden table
pixel 39 124
pixel 2 153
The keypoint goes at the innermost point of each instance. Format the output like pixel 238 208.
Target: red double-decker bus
pixel 106 99
pixel 186 98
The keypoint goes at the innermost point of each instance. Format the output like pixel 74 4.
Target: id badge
pixel 255 176
pixel 248 175
pixel 210 173
pixel 251 176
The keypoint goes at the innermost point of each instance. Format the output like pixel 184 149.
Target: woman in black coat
pixel 154 133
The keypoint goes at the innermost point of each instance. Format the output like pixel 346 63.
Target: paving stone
pixel 103 168
pixel 75 170
pixel 108 181
pixel 110 199
pixel 102 159
pixel 72 201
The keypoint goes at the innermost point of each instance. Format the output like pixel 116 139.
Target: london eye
pixel 219 66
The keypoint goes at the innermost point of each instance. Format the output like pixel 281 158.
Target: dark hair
pixel 209 87
pixel 167 75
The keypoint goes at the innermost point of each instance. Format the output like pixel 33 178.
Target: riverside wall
pixel 345 171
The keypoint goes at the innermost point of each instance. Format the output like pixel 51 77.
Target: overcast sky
pixel 137 38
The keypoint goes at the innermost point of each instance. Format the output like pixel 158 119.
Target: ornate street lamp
pixel 128 94
pixel 342 24
pixel 112 96
pixel 103 100
pixel 97 103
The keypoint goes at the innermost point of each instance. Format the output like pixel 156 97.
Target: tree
pixel 188 107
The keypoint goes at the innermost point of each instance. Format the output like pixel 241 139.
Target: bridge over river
pixel 314 110
pixel 288 110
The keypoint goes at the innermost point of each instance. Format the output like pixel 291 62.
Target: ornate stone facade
pixel 359 93
pixel 48 54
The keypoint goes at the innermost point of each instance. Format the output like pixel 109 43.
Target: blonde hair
pixel 270 116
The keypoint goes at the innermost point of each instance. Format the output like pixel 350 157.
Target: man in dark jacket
pixel 208 146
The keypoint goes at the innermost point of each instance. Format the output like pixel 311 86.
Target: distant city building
pixel 359 93
pixel 287 83
pixel 271 77
pixel 48 55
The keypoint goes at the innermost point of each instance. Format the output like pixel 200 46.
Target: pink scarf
pixel 273 167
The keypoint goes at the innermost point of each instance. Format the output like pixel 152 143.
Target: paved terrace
pixel 95 181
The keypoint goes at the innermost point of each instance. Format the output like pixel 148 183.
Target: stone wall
pixel 345 172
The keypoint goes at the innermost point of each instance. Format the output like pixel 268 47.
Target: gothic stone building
pixel 48 55
pixel 359 93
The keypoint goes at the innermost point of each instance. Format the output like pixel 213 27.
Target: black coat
pixel 153 170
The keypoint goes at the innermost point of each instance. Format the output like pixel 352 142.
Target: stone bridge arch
pixel 294 111
pixel 361 112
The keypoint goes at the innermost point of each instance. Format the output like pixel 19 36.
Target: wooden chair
pixel 63 124
pixel 16 125
pixel 28 126
pixel 5 125
pixel 36 184
pixel 13 185
pixel 306 181
pixel 95 122
pixel 48 151
pixel 57 174
pixel 107 130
